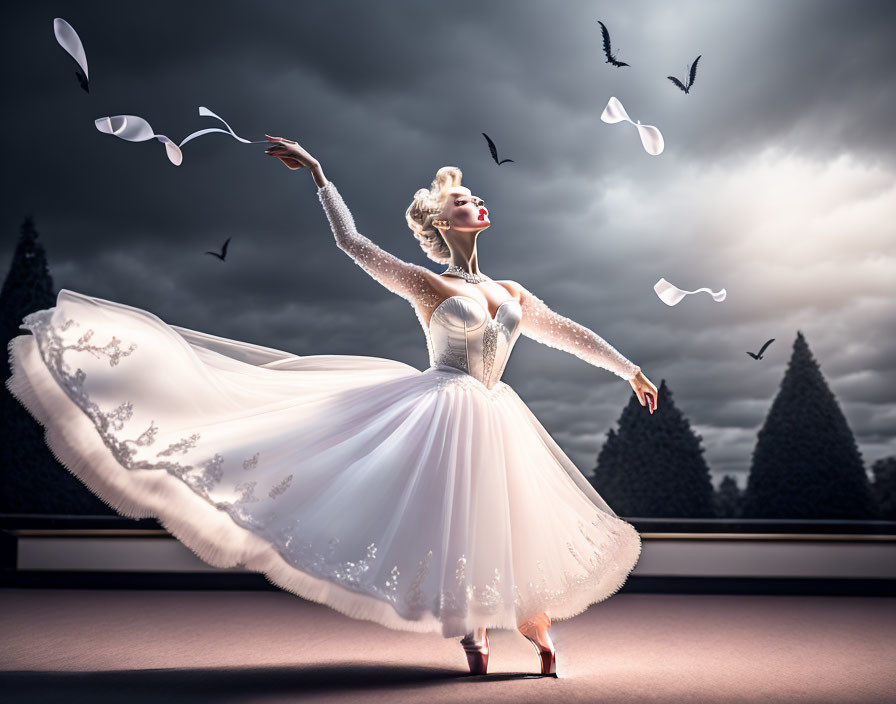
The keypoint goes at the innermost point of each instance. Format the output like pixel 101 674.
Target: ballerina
pixel 428 501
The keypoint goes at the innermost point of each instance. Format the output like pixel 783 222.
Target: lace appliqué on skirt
pixel 599 562
pixel 202 477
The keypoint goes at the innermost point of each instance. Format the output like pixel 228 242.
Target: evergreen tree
pixel 654 465
pixel 28 285
pixel 33 480
pixel 884 471
pixel 728 498
pixel 806 463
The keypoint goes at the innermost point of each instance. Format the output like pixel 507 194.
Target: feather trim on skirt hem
pixel 219 538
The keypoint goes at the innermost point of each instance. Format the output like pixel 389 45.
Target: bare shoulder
pixel 435 281
pixel 513 288
pixel 429 276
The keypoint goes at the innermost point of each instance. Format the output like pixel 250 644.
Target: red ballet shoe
pixel 476 647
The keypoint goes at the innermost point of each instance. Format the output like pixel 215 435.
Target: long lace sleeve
pixel 406 279
pixel 543 325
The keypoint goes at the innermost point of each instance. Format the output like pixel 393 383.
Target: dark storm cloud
pixel 385 93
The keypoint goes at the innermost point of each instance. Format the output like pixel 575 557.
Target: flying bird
pixel 762 349
pixel 611 58
pixel 691 76
pixel 494 151
pixel 223 255
pixel 70 41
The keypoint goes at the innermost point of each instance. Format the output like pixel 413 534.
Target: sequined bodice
pixel 463 335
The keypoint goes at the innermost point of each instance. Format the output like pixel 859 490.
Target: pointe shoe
pixel 476 647
pixel 536 632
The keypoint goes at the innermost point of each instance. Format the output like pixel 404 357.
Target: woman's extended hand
pixel 645 391
pixel 294 156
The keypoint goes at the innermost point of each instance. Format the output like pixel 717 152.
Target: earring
pixel 440 223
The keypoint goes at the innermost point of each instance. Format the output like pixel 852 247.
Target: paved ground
pixel 230 646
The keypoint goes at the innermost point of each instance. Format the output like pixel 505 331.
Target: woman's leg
pixel 536 630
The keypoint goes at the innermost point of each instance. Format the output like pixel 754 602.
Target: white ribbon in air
pixel 670 295
pixel 70 41
pixel 650 135
pixel 136 129
pixel 205 112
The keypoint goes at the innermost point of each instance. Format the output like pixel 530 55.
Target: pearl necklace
pixel 455 270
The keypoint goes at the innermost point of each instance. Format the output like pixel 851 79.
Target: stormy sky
pixel 776 183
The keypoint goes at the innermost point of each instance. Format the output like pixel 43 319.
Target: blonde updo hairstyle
pixel 427 204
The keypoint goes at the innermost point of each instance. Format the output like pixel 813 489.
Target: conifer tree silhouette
pixel 727 499
pixel 653 466
pixel 884 471
pixel 33 480
pixel 806 463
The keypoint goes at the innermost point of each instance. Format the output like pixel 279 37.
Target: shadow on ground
pixel 221 684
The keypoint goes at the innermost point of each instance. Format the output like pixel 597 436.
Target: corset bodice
pixel 463 335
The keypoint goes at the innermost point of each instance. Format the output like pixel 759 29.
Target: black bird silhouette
pixel 494 151
pixel 691 76
pixel 611 58
pixel 223 255
pixel 82 79
pixel 762 349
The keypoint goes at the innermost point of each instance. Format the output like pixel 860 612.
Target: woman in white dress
pixel 429 501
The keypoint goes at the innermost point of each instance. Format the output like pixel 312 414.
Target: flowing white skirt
pixel 420 500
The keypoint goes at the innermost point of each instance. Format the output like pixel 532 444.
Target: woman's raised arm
pixel 410 281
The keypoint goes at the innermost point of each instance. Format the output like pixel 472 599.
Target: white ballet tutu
pixel 420 500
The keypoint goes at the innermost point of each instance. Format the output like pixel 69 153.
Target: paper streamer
pixel 671 295
pixel 205 112
pixel 136 129
pixel 650 135
pixel 70 41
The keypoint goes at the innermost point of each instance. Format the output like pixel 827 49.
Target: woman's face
pixel 464 211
